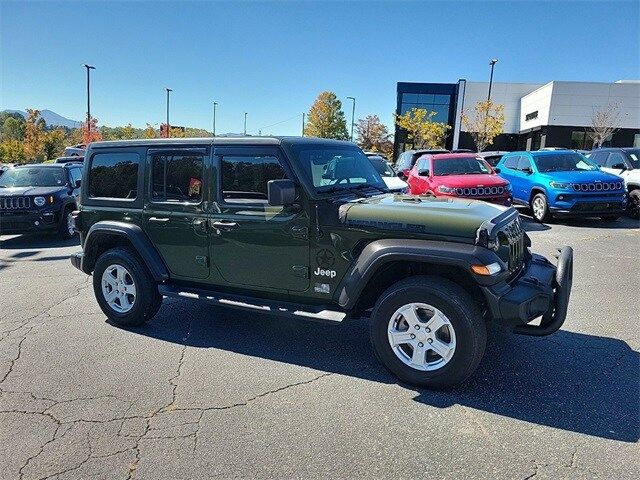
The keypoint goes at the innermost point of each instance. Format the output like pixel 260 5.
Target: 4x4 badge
pixel 325 258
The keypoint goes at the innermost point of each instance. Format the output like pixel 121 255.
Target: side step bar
pixel 287 309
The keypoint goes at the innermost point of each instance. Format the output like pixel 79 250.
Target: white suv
pixel 624 162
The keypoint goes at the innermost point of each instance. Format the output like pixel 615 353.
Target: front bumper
pixel 28 221
pixel 505 200
pixel 541 289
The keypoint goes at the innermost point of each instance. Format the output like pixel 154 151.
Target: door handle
pixel 225 226
pixel 200 224
pixel 159 219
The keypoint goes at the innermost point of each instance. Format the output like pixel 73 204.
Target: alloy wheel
pixel 421 336
pixel 118 288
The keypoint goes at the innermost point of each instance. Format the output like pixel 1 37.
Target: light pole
pixel 245 124
pixel 353 115
pixel 168 126
pixel 215 104
pixel 493 64
pixel 88 67
pixel 303 118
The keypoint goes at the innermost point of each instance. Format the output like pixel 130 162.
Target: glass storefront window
pixel 409 98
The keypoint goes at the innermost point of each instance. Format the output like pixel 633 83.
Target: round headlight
pixel 39 201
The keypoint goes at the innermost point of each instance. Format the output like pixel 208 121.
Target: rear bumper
pixel 76 260
pixel 542 289
pixel 28 221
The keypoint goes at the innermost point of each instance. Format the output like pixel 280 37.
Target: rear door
pixel 174 211
pixel 254 244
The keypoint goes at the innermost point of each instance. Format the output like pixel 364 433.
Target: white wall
pixel 573 103
pixel 507 94
pixel 537 101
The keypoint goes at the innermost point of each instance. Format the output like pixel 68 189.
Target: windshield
pixel 381 166
pixel 331 168
pixel 460 166
pixel 563 162
pixel 634 157
pixel 33 177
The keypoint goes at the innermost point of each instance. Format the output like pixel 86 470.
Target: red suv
pixel 458 175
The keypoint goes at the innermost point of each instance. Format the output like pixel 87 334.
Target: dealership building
pixel 555 114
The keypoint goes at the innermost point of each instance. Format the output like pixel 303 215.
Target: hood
pixel 581 176
pixel 394 183
pixel 31 191
pixel 426 215
pixel 477 180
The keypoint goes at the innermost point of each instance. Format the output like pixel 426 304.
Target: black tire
pixel 543 215
pixel 633 205
pixel 461 311
pixel 147 299
pixel 63 231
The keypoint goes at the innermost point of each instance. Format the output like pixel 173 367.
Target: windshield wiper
pixel 362 186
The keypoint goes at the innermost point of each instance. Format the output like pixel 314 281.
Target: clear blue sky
pixel 272 59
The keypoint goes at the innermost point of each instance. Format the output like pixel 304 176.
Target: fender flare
pixel 380 252
pixel 135 235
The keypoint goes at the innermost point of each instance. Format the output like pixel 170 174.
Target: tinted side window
pixel 76 174
pixel 512 162
pixel 177 178
pixel 404 161
pixel 114 175
pixel 616 159
pixel 598 158
pixel 524 163
pixel 244 178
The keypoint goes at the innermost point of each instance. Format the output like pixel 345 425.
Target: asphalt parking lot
pixel 207 392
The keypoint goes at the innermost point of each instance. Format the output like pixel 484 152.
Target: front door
pixel 174 215
pixel 254 244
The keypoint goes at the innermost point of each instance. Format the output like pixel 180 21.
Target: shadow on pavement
pixel 624 222
pixel 571 381
pixel 36 242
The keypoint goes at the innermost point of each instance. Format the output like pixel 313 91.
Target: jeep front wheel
pixel 633 207
pixel 66 227
pixel 428 332
pixel 124 288
pixel 540 207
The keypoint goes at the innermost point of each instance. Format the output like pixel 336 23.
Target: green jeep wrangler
pixel 305 227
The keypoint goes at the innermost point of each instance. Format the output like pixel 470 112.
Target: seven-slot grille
pixel 479 191
pixel 515 240
pixel 597 187
pixel 14 203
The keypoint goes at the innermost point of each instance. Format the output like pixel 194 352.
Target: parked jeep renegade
pixel 264 224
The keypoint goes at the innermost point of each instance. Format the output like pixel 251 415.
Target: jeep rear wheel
pixel 124 288
pixel 633 206
pixel 428 332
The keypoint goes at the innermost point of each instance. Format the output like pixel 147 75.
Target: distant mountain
pixel 52 118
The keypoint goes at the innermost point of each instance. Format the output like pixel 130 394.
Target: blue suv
pixel 562 184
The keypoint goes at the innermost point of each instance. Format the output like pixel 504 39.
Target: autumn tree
pixel 12 128
pixel 150 132
pixel 128 132
pixel 373 135
pixel 486 124
pixel 34 135
pixel 54 143
pixel 90 132
pixel 421 130
pixel 326 118
pixel 602 123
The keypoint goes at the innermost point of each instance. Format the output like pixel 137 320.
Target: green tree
pixel 486 124
pixel 326 118
pixel 54 143
pixel 421 130
pixel 12 128
pixel 34 135
pixel 12 151
pixel 128 132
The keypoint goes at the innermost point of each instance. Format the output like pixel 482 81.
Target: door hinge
pixel 202 260
pixel 300 271
pixel 300 232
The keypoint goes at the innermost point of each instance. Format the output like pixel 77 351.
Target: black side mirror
pixel 527 170
pixel 78 182
pixel 619 166
pixel 401 175
pixel 281 192
pixel 497 170
pixel 424 172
